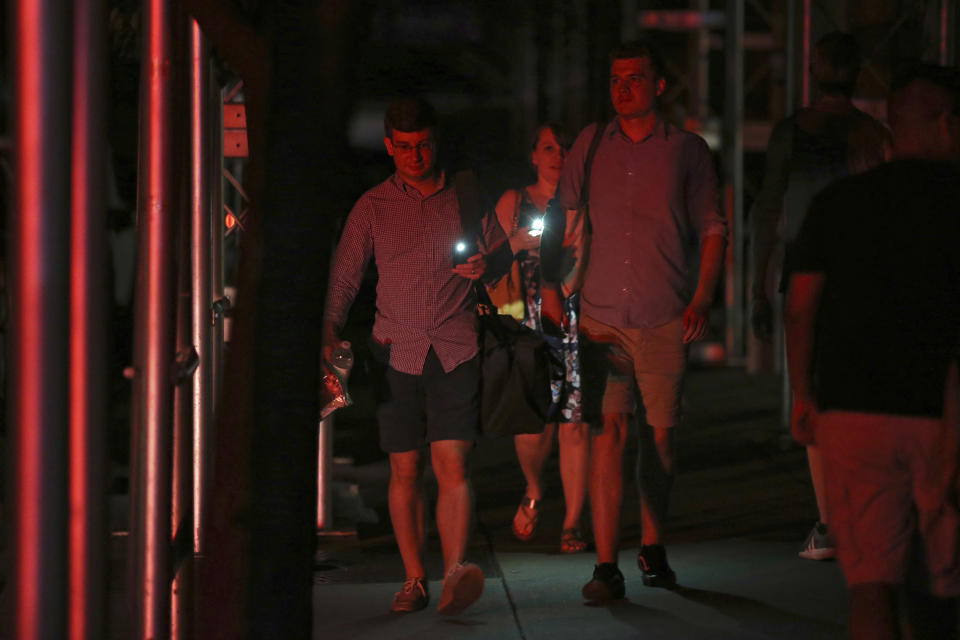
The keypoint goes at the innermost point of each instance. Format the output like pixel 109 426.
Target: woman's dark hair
pixel 561 133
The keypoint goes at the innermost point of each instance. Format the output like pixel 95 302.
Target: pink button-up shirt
pixel 421 302
pixel 652 203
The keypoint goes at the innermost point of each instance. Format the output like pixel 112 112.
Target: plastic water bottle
pixel 342 359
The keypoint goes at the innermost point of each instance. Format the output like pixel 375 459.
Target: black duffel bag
pixel 515 376
pixel 514 360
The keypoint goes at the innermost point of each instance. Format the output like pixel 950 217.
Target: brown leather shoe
pixel 414 596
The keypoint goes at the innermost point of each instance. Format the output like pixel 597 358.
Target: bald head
pixel 924 113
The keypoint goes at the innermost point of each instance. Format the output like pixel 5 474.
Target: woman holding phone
pixel 521 214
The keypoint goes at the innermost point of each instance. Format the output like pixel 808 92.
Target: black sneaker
pixel 606 585
pixel 652 560
pixel 819 544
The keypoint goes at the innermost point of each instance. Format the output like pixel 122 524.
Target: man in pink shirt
pixel 425 333
pixel 652 212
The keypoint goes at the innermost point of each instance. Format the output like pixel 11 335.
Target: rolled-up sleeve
pixel 496 249
pixel 703 202
pixel 349 263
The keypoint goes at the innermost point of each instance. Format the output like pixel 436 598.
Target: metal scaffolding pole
pixel 806 50
pixel 153 335
pixel 733 146
pixel 790 75
pixel 200 261
pixel 88 315
pixel 947 33
pixel 39 249
pixel 217 232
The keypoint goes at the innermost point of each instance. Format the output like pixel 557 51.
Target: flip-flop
pixel 531 506
pixel 571 541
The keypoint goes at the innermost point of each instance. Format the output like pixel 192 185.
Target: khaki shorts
pixel 890 479
pixel 617 362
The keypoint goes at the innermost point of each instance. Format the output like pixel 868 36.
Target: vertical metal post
pixel 790 79
pixel 733 144
pixel 39 249
pixel 217 232
pixel 325 474
pixel 200 262
pixel 181 530
pixel 946 21
pixel 153 335
pixel 701 106
pixel 806 48
pixel 88 304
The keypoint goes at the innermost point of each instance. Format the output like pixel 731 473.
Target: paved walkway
pixel 742 504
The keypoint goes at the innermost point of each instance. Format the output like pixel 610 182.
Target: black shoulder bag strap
pixel 468 201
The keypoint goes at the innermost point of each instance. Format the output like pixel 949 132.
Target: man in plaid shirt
pixel 425 331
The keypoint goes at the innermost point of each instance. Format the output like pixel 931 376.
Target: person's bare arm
pixel 519 238
pixel 576 245
pixel 803 303
pixel 764 217
pixel 695 317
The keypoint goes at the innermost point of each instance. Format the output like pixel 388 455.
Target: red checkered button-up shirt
pixel 421 302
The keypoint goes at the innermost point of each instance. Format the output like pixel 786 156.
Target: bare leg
pixel 574 444
pixel 533 449
pixel 873 613
pixel 405 496
pixel 454 498
pixel 606 484
pixel 815 459
pixel 655 473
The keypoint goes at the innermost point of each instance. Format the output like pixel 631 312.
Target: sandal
pixel 571 541
pixel 527 506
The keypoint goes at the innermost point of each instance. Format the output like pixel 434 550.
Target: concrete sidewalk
pixel 742 505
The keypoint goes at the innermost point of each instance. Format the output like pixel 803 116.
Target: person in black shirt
pixel 873 329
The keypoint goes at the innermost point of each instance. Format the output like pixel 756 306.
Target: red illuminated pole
pixel 39 250
pixel 192 422
pixel 153 334
pixel 87 490
pixel 200 261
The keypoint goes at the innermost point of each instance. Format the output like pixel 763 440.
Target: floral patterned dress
pixel 562 342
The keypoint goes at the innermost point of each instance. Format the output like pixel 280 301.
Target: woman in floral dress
pixel 520 212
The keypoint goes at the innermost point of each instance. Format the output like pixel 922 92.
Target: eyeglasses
pixel 406 148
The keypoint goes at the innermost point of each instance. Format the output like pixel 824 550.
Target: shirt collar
pixel 413 192
pixel 661 129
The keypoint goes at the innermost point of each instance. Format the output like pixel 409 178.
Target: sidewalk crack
pixel 503 578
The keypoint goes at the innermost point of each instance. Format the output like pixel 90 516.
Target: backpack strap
pixel 553 259
pixel 468 199
pixel 587 170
